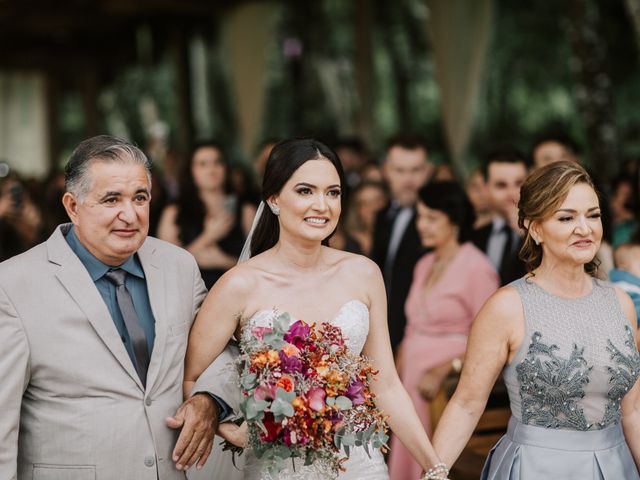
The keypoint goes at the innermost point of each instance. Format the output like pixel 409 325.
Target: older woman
pixel 565 344
pixel 450 284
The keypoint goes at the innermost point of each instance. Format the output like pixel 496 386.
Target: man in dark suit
pixel 504 171
pixel 396 244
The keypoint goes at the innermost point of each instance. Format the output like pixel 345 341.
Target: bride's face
pixel 310 201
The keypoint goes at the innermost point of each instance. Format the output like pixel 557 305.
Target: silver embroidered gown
pixel 353 320
pixel 565 385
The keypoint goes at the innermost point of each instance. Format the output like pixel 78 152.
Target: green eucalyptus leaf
pixel 343 403
pixel 248 381
pixel 255 408
pixel 349 439
pixel 282 323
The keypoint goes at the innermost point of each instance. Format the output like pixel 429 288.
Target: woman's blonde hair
pixel 541 194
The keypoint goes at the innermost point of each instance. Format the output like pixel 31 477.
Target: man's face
pixel 551 152
pixel 406 171
pixel 504 180
pixel 112 221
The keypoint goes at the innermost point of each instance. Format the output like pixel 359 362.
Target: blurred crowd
pixel 443 244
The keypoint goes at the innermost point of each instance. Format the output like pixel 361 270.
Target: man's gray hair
pixel 102 148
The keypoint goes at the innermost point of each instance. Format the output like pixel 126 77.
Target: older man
pixel 94 326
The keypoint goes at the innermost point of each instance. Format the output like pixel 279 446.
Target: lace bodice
pixel 352 318
pixel 577 361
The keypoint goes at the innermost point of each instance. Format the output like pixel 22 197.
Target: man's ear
pixel 70 203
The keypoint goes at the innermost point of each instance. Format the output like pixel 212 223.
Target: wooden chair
pixel 491 426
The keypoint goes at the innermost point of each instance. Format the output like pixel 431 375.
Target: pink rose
pixel 316 398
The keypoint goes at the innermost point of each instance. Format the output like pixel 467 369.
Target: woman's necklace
pixel 439 266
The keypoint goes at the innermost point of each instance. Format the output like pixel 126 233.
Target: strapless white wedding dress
pixel 353 320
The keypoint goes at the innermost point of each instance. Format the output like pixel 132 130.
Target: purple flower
pixel 355 392
pixel 297 333
pixel 290 364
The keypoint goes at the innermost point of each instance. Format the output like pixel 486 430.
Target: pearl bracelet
pixel 439 471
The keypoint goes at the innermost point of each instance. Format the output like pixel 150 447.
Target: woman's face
pixel 434 227
pixel 572 234
pixel 368 202
pixel 208 169
pixel 309 202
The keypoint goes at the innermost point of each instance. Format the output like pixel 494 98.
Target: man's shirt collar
pixel 95 267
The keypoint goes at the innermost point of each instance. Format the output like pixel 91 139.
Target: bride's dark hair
pixel 285 158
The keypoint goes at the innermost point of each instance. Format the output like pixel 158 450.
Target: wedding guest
pixel 450 284
pixel 354 156
pixel 623 210
pixel 504 171
pixel 366 201
pixel 94 326
pixel 355 233
pixel 372 172
pixel 396 244
pixel 476 189
pixel 444 172
pixel 554 146
pixel 626 275
pixel 564 342
pixel 20 219
pixel 208 219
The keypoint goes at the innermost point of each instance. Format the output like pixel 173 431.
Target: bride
pixel 292 270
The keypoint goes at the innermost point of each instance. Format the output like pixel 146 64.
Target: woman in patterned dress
pixel 565 345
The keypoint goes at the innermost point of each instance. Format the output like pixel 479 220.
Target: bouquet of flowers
pixel 306 396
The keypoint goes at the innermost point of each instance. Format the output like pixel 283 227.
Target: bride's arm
pixel 497 328
pixel 391 397
pixel 215 324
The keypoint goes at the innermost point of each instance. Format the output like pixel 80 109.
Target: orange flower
pixel 291 350
pixel 273 357
pixel 335 377
pixel 298 403
pixel 286 382
pixel 260 360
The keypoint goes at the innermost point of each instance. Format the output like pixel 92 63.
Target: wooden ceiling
pixel 48 33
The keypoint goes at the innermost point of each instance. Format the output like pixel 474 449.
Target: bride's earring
pixel 274 209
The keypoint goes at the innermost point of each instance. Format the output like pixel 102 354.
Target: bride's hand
pixel 233 433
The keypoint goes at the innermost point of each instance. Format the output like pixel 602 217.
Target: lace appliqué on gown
pixel 353 320
pixel 551 387
pixel 623 377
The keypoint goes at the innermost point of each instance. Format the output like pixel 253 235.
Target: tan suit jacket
pixel 71 404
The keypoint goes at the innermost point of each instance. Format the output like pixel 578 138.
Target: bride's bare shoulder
pixel 238 281
pixel 355 264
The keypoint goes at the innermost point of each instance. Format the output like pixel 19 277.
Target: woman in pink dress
pixel 450 284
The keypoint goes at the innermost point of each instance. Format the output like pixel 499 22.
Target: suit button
pixel 148 402
pixel 149 461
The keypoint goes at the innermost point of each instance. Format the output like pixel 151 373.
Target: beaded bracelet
pixel 439 471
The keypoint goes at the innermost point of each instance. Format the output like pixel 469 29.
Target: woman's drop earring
pixel 274 209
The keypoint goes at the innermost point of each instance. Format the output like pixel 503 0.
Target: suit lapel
pixel 156 289
pixel 76 280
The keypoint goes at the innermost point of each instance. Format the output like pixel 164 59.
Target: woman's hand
pixel 236 434
pixel 216 227
pixel 431 380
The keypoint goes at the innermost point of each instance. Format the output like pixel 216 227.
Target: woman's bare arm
pixel 497 328
pixel 391 396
